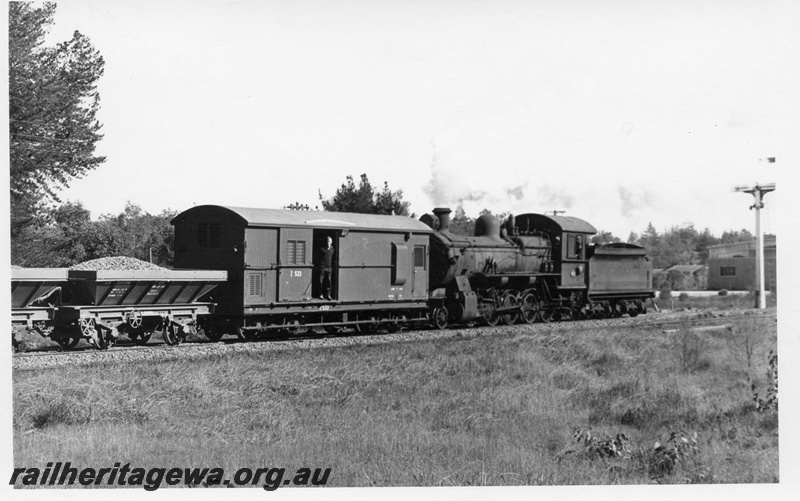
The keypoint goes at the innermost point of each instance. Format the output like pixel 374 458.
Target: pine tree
pixel 363 199
pixel 53 103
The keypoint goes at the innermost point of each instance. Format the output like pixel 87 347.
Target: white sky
pixel 620 112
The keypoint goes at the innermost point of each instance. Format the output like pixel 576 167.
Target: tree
pixel 731 236
pixel 53 103
pixel 461 224
pixel 389 202
pixel 604 237
pixel 363 199
pixel 68 236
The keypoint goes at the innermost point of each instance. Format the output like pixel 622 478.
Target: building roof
pixel 687 268
pixel 769 241
pixel 316 219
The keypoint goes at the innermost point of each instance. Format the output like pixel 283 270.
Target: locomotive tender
pixel 259 274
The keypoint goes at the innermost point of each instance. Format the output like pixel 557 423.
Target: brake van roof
pixel 314 219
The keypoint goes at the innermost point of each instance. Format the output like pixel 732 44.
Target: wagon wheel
pixel 141 338
pixel 44 329
pixel 393 327
pixel 296 327
pixel 332 329
pixel 530 308
pixel 89 331
pixel 245 334
pixel 172 334
pixel 68 343
pixel 509 300
pixel 212 333
pixel 369 327
pixel 134 319
pixel 439 317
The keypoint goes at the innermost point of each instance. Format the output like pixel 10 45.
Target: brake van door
pixel 295 258
pixel 260 263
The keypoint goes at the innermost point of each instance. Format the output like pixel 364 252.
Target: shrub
pixel 771 401
pixel 604 446
pixel 665 293
pixel 687 347
pixel 662 459
pixel 683 296
pixel 723 292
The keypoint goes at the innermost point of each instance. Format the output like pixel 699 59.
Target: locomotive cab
pixel 570 237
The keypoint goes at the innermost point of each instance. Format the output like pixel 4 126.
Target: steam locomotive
pixel 251 272
pixel 532 268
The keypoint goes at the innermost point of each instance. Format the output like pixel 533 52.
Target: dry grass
pixel 485 410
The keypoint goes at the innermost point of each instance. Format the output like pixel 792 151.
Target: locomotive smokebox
pixel 443 213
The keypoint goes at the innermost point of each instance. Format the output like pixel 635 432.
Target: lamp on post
pixel 758 191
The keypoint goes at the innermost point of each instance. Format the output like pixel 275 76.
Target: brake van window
pixel 209 235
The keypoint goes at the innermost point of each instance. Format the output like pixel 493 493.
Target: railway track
pixel 158 350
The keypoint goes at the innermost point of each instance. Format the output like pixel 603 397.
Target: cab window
pixel 575 246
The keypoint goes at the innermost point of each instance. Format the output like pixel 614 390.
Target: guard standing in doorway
pixel 325 262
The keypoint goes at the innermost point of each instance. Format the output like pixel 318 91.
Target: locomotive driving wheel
pixel 489 314
pixel 509 300
pixel 530 308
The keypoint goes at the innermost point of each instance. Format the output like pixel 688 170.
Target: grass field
pixel 524 406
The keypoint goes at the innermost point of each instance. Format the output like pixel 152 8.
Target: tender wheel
pixel 439 317
pixel 530 308
pixel 509 301
pixel 68 343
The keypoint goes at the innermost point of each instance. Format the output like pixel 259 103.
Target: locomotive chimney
pixel 443 213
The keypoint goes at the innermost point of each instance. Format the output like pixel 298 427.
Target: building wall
pixel 744 265
pixel 744 273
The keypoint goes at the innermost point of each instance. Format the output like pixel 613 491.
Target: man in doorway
pixel 325 263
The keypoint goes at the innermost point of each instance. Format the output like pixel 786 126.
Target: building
pixel 733 266
pixel 687 277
